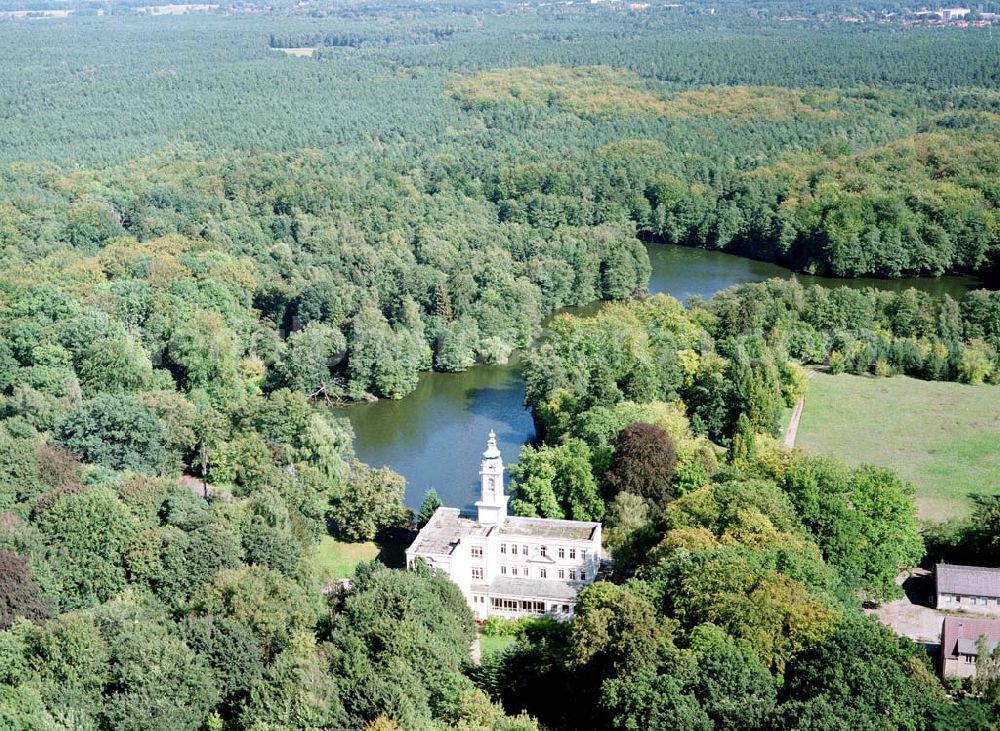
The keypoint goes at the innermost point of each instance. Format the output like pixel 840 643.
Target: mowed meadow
pixel 942 437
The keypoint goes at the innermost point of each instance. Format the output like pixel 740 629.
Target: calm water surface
pixel 685 272
pixel 434 436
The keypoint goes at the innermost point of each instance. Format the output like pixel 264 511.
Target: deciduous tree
pixel 116 432
pixel 20 594
pixel 369 501
pixel 643 464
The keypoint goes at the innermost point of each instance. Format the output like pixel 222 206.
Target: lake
pixel 435 436
pixel 684 271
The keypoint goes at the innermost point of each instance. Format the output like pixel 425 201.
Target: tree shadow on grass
pixel 392 545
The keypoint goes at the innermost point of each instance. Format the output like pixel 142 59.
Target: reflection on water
pixel 434 437
pixel 684 272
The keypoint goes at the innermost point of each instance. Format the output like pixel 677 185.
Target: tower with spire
pixel 509 565
pixel 492 505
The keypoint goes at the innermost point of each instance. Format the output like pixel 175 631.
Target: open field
pixel 297 52
pixel 943 437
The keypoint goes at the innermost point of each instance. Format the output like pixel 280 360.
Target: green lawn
pixel 942 437
pixel 489 644
pixel 335 559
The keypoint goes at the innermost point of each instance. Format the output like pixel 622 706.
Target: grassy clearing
pixel 297 52
pixel 490 644
pixel 335 559
pixel 942 437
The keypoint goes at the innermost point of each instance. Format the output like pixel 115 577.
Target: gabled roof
pixel 967 580
pixel 960 635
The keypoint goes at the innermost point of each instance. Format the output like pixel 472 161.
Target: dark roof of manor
pixel 448 526
pixel 443 532
pixel 960 635
pixel 562 591
pixel 571 530
pixel 967 580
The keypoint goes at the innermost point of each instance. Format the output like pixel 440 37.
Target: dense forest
pixel 207 243
pixel 746 566
pixel 868 331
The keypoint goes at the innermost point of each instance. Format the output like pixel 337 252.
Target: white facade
pixel 507 565
pixel 953 13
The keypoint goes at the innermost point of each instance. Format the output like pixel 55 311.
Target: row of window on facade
pixel 520 605
pixel 477 551
pixel 972 599
pixel 477 573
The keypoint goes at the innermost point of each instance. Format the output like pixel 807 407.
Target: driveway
pixel 912 615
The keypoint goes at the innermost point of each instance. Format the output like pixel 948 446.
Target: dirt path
pixel 793 423
pixel 476 651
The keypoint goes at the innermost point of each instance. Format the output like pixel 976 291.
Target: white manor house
pixel 508 565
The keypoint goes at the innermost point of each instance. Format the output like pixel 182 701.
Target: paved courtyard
pixel 913 615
